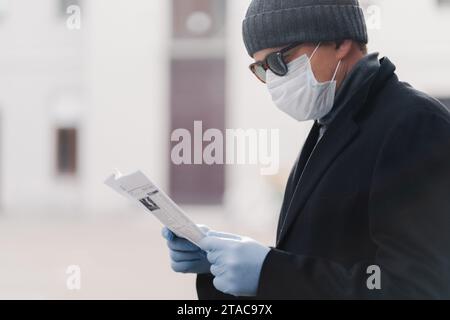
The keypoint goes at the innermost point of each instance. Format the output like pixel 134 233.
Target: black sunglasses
pixel 274 62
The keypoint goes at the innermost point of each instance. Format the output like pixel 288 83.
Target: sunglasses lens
pixel 259 72
pixel 277 64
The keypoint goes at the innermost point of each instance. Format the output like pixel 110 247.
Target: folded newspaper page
pixel 138 187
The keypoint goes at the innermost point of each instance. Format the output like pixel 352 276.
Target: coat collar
pixel 339 135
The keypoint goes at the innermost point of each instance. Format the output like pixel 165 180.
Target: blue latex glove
pixel 236 262
pixel 185 256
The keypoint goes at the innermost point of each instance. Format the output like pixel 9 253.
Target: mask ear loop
pixel 337 69
pixel 315 50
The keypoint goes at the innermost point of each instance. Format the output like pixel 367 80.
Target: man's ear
pixel 344 49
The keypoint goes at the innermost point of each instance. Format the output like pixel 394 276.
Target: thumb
pixel 211 243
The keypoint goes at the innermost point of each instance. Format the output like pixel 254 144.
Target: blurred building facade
pixel 41 103
pixel 76 104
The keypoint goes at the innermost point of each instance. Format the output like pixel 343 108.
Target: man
pixel 366 212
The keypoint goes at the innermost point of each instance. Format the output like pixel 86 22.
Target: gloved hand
pixel 236 262
pixel 185 256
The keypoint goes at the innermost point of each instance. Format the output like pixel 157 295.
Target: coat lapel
pixel 325 152
pixel 296 172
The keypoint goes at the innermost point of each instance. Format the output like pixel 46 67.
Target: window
pixel 66 151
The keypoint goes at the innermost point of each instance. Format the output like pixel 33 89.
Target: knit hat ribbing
pixel 277 23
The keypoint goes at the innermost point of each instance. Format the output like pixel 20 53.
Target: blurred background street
pixel 120 258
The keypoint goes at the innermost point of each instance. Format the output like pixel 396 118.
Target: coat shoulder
pixel 399 102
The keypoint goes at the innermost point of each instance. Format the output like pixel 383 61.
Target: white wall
pixel 127 79
pixel 415 36
pixel 39 60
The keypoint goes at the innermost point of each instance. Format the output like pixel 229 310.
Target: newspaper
pixel 138 187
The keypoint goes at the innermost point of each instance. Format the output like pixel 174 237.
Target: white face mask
pixel 299 94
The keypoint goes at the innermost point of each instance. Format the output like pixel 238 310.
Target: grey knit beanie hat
pixel 277 23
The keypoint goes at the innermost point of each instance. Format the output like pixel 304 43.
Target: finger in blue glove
pixel 185 256
pixel 236 262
